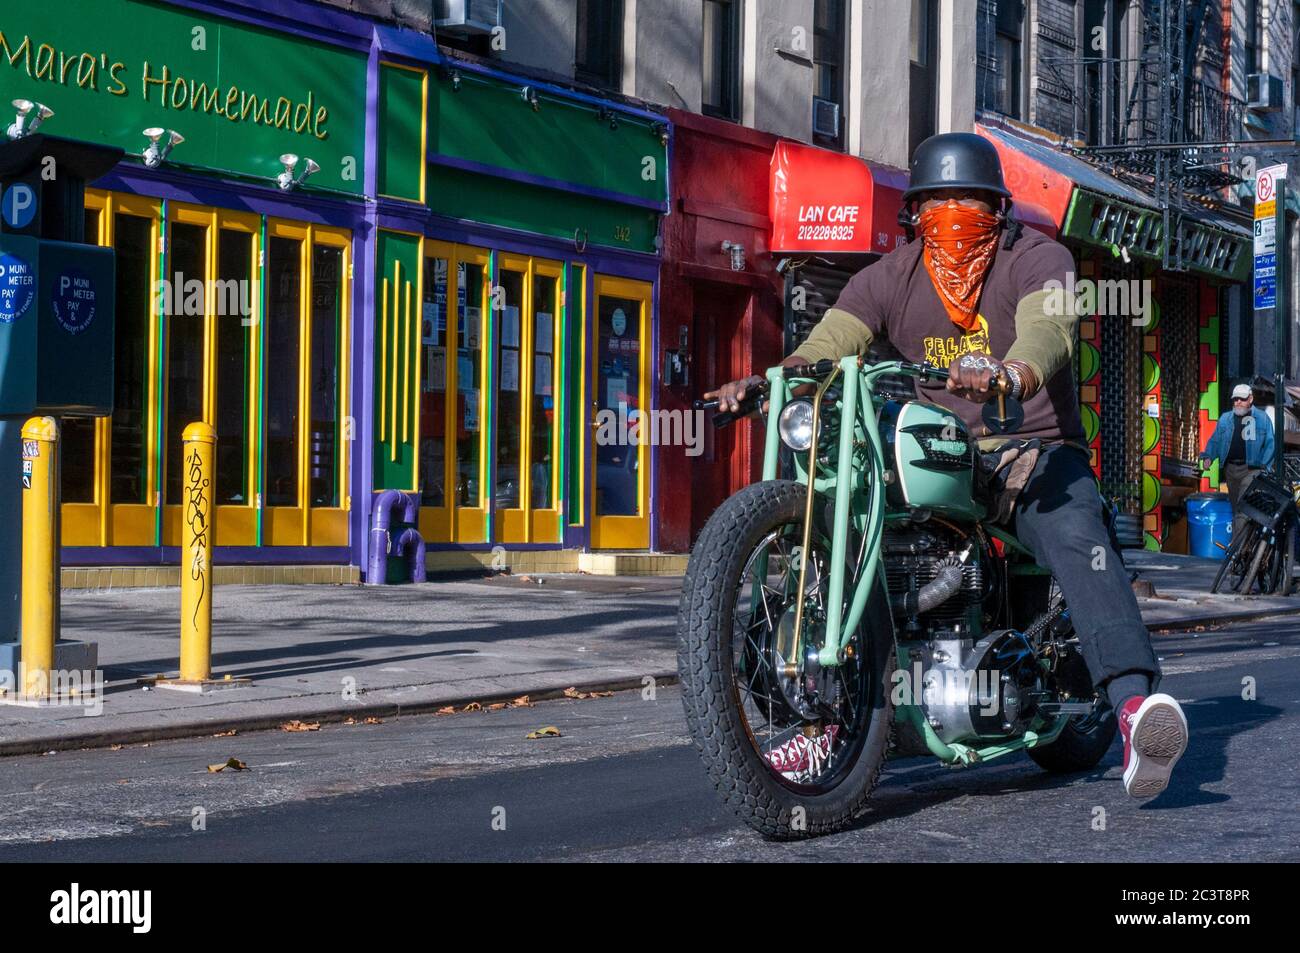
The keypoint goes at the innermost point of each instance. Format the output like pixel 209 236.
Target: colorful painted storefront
pixel 1149 339
pixel 441 294
pixel 721 307
pixel 515 269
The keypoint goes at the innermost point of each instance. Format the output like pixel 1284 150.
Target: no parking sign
pixel 1269 182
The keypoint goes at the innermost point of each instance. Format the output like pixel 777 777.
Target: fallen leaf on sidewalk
pixel 496 706
pixel 372 720
pixel 473 706
pixel 350 721
pixel 225 734
pixel 521 702
pixel 572 692
pixel 297 725
pixel 228 763
pixel 449 710
pixel 114 747
pixel 548 732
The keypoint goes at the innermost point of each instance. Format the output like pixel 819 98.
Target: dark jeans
pixel 1059 516
pixel 1238 476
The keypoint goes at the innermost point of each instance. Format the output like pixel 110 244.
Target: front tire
pixel 719 657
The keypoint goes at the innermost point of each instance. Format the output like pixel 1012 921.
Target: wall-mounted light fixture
pixel 286 179
pixel 156 153
pixel 737 253
pixel 447 73
pixel 605 114
pixel 529 95
pixel 30 116
pixel 660 131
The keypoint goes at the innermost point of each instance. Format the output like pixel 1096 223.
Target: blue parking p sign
pixel 19 205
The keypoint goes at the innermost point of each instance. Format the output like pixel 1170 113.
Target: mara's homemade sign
pixel 241 96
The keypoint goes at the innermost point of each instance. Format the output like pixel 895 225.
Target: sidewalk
pixel 407 649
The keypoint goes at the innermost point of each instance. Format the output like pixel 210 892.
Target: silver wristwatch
pixel 1017 382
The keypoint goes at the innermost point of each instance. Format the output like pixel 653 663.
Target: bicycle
pixel 1262 557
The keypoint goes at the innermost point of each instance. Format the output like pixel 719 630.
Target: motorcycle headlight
pixel 795 425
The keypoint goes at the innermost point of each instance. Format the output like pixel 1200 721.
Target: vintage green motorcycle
pixel 869 609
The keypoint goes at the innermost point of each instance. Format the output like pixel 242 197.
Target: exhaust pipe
pixel 946 584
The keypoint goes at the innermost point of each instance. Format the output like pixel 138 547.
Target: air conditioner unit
pixel 466 17
pixel 826 118
pixel 1263 92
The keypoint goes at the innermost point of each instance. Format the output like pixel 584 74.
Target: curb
pixel 128 736
pixel 1187 625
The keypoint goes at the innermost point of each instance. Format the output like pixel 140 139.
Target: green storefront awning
pixel 1215 247
pixel 507 154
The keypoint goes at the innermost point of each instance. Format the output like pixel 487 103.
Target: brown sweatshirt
pixel 894 298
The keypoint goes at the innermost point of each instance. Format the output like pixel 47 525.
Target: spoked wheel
pixel 1289 557
pixel 1085 739
pixel 1238 559
pixel 794 749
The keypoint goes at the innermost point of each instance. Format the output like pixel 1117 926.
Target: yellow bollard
pixel 198 446
pixel 40 436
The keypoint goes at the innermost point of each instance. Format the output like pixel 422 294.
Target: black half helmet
pixel 955 160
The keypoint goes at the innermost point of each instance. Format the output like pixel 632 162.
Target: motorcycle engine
pixel 970 683
pixel 915 557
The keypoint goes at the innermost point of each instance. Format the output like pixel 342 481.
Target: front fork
pixel 856 391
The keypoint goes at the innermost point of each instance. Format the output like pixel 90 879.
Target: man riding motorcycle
pixel 974 287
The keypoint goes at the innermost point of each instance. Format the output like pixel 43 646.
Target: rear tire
pixel 1234 564
pixel 1080 746
pixel 715 711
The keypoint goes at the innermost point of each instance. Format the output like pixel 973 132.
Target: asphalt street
pixel 623 784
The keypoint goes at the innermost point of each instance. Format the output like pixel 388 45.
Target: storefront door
pixel 620 501
pixel 452 369
pixel 529 315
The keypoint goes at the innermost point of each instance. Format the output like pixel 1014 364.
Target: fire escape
pixel 1176 129
pixel 1147 118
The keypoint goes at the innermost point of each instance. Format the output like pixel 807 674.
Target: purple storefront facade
pixel 457 320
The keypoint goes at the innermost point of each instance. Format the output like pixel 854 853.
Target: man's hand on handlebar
pixel 730 395
pixel 975 376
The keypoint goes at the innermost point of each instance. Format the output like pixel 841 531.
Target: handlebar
pixel 925 372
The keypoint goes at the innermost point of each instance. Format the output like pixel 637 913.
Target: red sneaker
pixel 1155 736
pixel 802 758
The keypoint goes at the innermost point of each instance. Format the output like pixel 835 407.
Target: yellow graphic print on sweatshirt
pixel 943 351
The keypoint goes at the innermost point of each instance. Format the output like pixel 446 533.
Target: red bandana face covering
pixel 959 242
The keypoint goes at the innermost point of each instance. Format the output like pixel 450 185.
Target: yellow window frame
pixel 302 524
pixel 626 532
pixel 124 524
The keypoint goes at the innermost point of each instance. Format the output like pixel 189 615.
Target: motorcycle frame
pixel 860 428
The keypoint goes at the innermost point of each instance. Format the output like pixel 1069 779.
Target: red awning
pixel 829 202
pixel 1040 191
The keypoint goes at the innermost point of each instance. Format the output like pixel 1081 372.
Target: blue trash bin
pixel 1209 521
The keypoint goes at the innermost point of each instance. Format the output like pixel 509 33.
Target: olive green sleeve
pixel 1044 340
pixel 838 334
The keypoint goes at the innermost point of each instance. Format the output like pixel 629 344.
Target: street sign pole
pixel 1282 332
pixel 1270 287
